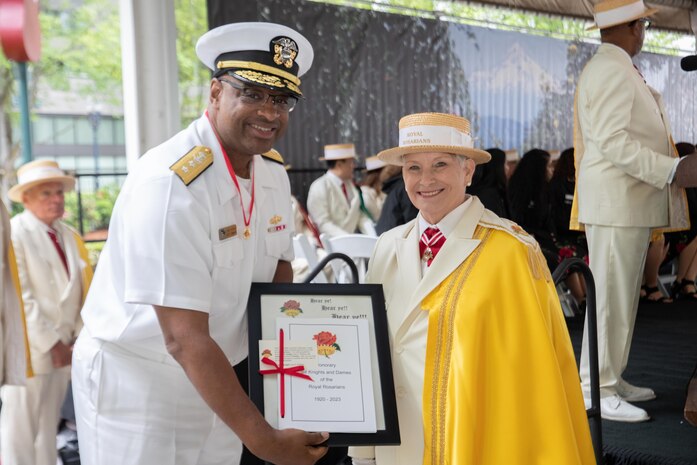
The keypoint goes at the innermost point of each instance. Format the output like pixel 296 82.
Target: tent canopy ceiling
pixel 674 15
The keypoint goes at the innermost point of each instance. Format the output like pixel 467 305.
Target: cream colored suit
pixel 52 302
pixel 330 211
pixel 624 159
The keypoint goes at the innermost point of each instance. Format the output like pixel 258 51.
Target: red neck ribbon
pixel 283 371
pixel 231 170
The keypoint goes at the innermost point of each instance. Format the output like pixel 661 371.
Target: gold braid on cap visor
pixel 261 68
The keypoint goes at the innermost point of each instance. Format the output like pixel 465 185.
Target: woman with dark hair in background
pixel 529 200
pixel 489 183
pixel 561 195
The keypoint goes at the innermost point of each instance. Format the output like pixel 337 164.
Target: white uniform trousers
pixel 140 408
pixel 29 419
pixel 617 257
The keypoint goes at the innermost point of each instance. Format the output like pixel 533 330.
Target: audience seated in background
pixel 571 243
pixel 529 199
pixel 512 159
pixel 489 183
pixel 683 244
pixel 650 293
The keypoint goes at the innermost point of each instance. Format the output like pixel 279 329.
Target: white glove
pixel 363 461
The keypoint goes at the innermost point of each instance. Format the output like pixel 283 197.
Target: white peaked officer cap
pixel 263 54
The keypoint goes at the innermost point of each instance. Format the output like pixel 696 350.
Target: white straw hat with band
pixel 373 163
pixel 610 13
pixel 39 172
pixel 434 132
pixel 338 152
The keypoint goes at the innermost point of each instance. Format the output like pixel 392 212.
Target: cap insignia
pixel 284 51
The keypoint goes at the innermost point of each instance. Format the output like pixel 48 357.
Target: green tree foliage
pixel 96 208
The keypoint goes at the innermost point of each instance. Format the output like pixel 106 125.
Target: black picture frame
pixel 260 327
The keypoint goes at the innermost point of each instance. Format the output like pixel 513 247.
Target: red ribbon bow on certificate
pixel 283 371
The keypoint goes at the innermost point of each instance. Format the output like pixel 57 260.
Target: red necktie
pixel 343 189
pixel 59 249
pixel 429 245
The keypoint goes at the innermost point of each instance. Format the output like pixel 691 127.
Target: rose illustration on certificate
pixel 340 397
pixel 291 308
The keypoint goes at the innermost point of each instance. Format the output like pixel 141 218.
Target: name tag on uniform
pixel 227 232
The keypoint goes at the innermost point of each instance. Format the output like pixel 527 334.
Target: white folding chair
pixel 304 250
pixel 359 247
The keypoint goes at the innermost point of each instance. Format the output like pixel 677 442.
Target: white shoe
pixel 616 409
pixel 632 393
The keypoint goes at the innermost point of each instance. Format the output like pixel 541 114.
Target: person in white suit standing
pixel 334 202
pixel 54 274
pixel 629 181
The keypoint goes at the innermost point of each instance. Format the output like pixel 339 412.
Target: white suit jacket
pixel 330 211
pixel 13 360
pixel 626 155
pixel 397 266
pixel 52 301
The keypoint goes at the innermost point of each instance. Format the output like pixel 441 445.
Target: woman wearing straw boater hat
pixel 333 201
pixel 628 183
pixel 55 273
pixel 480 350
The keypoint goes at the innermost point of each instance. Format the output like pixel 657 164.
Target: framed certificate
pixel 319 360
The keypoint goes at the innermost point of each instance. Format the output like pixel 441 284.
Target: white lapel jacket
pixel 332 213
pixel 52 299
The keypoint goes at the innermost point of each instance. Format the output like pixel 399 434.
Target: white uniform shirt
pixel 166 247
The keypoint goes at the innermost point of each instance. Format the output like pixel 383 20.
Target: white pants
pixel 141 409
pixel 617 257
pixel 29 419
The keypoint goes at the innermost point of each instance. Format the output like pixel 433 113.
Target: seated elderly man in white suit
pixel 484 374
pixel 334 202
pixel 54 273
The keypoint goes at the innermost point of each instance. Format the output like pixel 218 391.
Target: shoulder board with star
pixel 191 165
pixel 273 155
pixel 536 259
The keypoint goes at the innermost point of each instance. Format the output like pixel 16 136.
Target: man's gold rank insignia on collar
pixel 191 165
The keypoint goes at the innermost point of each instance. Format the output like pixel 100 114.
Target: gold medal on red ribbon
pixel 247 233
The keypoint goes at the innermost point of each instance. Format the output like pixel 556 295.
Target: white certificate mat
pixel 340 397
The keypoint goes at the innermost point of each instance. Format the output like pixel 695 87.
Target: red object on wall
pixel 20 33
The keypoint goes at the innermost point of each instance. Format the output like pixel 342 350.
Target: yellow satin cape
pixel 14 272
pixel 501 384
pixel 87 271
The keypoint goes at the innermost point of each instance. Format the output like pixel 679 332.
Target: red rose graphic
pixel 326 343
pixel 324 338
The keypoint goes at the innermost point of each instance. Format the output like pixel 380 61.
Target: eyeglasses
pixel 645 21
pixel 257 98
